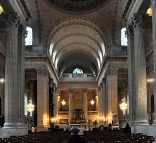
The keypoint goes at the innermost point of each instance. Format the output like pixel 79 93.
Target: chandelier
pixel 92 102
pixel 123 106
pixel 63 102
pixel 30 107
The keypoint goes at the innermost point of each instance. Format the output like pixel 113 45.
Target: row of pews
pixel 104 136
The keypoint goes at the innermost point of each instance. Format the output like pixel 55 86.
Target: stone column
pixel 154 51
pixel 111 83
pixel 70 105
pixel 131 72
pixel 42 100
pixel 85 104
pixel 140 75
pixel 14 81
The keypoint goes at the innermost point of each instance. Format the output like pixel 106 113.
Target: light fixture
pixel 1 80
pixel 1 9
pixel 30 106
pixel 150 80
pixel 123 106
pixel 63 102
pixel 92 102
pixel 149 11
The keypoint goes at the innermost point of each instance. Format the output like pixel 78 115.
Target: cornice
pixel 133 8
pixel 33 62
pixel 20 8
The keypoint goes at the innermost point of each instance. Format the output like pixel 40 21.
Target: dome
pixel 77 5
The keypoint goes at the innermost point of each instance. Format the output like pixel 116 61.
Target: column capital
pixel 84 90
pixel 12 19
pixel 41 70
pixel 70 90
pixel 111 70
pixel 138 21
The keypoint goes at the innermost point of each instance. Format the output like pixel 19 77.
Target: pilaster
pixel 111 83
pixel 70 104
pixel 85 104
pixel 42 100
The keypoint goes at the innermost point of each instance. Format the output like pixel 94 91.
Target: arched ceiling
pixel 77 5
pixel 74 39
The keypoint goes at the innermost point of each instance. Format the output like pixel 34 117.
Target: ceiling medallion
pixel 77 5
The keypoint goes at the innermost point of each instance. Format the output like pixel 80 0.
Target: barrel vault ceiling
pixel 76 33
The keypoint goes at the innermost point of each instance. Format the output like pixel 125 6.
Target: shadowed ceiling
pixel 77 5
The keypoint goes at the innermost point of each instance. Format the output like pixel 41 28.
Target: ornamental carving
pixel 138 20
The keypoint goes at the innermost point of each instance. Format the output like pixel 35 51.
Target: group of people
pixel 75 138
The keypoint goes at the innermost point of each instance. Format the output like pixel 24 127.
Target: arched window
pixel 124 40
pixel 28 39
pixel 77 71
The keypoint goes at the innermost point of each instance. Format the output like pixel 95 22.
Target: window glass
pixel 77 71
pixel 124 40
pixel 28 39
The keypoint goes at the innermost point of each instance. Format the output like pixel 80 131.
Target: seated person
pixel 75 138
pixel 127 128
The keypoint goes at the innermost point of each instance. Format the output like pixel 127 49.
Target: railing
pixel 78 77
pixel 92 112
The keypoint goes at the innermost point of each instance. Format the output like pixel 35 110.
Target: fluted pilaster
pixel 70 104
pixel 42 100
pixel 85 104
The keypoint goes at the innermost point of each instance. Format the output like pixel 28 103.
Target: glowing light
pixel 63 102
pixel 92 102
pixel 30 107
pixel 58 99
pixel 150 80
pixel 45 120
pixel 2 80
pixel 1 9
pixel 123 106
pixel 149 11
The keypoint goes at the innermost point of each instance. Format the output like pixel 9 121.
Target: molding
pixel 40 64
pixel 134 8
pixel 18 8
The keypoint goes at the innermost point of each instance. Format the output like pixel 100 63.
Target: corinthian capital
pixel 138 20
pixel 12 19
